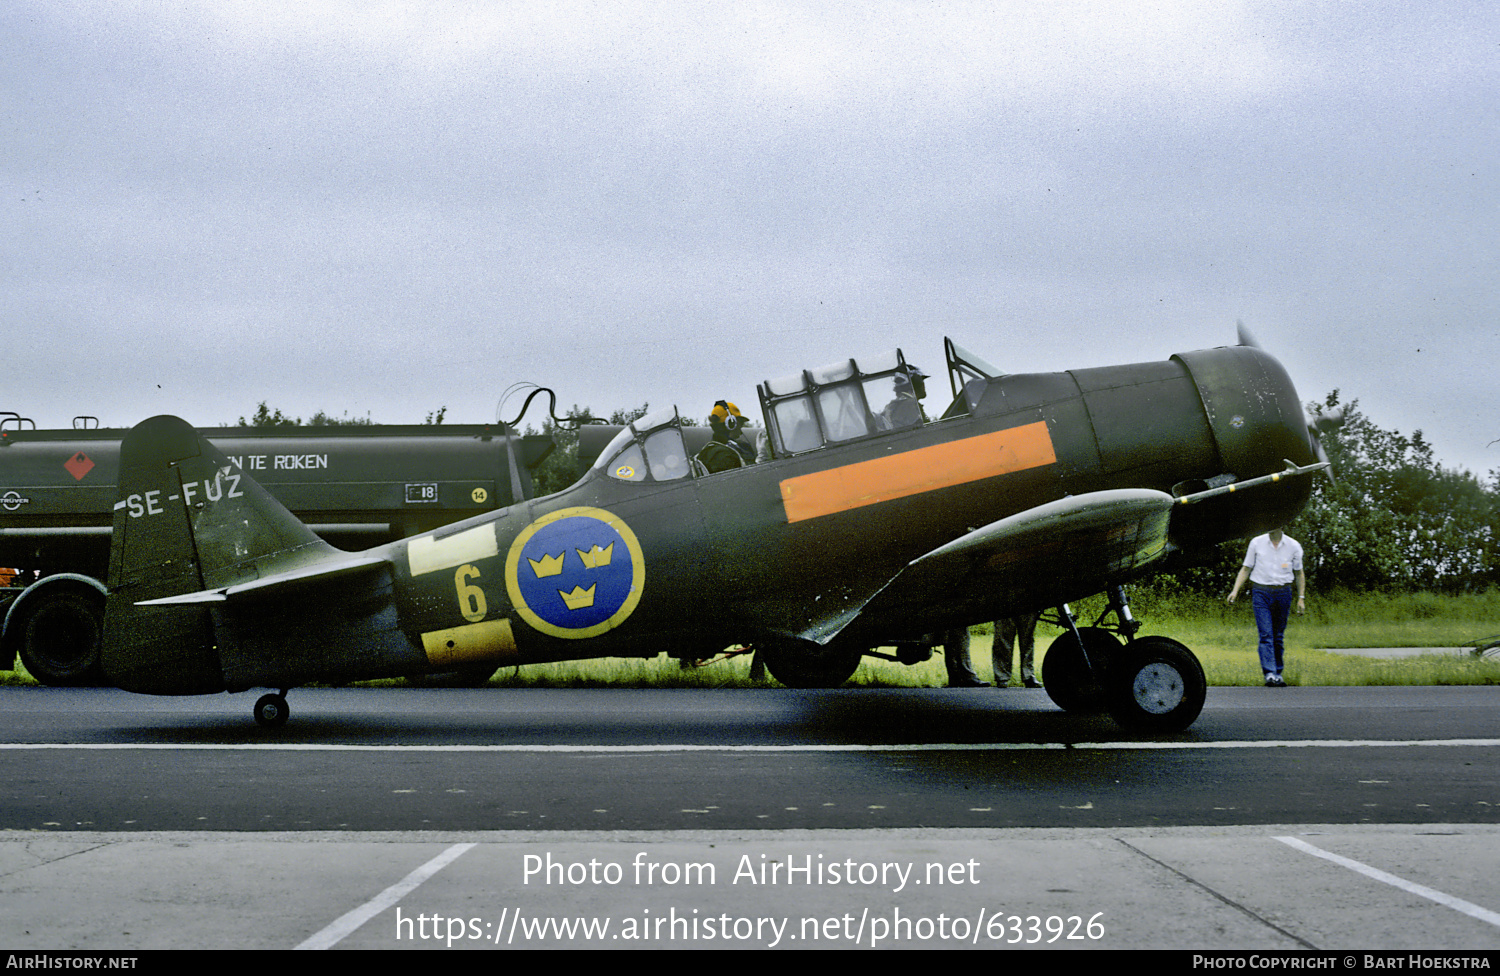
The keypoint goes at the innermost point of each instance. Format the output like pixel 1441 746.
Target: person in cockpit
pixel 905 410
pixel 729 448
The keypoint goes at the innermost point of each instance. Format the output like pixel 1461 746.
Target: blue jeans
pixel 1272 607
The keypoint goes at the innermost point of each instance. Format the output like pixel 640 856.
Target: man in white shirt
pixel 1273 563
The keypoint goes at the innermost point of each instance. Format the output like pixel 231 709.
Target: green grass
pixel 1222 636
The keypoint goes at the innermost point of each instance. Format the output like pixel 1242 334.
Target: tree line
pixel 1393 517
pixel 265 416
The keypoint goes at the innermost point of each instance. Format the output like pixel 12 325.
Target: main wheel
pixel 806 664
pixel 1157 686
pixel 271 711
pixel 61 634
pixel 1065 672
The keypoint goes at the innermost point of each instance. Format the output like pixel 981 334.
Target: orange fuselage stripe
pixel 914 472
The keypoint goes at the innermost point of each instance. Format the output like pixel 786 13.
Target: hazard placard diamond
pixel 78 465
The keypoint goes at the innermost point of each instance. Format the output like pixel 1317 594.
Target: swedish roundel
pixel 576 572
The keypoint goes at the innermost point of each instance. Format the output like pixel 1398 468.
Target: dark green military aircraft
pixel 861 525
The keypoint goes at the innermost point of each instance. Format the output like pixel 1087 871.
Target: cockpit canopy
pixel 650 447
pixel 806 411
pixel 840 402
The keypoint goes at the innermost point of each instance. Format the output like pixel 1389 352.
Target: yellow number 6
pixel 470 597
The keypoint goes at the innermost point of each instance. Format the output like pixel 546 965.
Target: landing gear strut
pixel 1152 684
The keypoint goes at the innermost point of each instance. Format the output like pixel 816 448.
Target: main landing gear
pixel 1149 684
pixel 805 664
pixel 271 710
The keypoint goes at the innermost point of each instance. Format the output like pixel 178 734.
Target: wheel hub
pixel 1158 688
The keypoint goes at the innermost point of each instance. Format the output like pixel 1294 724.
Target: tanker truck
pixel 357 486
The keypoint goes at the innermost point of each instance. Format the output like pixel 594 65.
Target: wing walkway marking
pixel 1431 894
pixel 811 747
pixel 345 924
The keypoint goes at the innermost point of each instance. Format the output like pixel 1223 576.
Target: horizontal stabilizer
pixel 279 584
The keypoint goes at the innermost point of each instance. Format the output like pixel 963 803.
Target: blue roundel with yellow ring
pixel 575 572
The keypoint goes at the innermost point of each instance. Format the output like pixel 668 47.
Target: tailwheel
pixel 807 664
pixel 271 711
pixel 1156 685
pixel 1071 684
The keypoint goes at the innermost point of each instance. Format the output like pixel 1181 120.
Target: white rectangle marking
pixel 427 554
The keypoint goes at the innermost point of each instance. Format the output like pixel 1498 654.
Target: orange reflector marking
pixel 914 472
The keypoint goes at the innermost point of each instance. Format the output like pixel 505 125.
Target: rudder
pixel 187 520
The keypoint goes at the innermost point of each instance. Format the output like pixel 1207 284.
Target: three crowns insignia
pixel 595 558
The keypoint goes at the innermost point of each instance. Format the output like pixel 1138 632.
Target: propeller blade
pixel 1322 424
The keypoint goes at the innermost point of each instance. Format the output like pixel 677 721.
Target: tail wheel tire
pixel 1066 675
pixel 271 711
pixel 1157 686
pixel 60 637
pixel 806 664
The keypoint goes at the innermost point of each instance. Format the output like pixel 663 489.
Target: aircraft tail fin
pixel 186 520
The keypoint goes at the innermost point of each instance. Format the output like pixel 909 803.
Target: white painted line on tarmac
pixel 345 924
pixel 809 747
pixel 1457 904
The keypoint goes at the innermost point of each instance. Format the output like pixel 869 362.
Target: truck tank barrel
pixel 363 484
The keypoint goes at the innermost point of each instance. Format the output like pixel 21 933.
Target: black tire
pixel 1066 675
pixel 806 664
pixel 1157 686
pixel 271 711
pixel 61 632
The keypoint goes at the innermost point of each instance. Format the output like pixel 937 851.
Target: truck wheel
pixel 60 637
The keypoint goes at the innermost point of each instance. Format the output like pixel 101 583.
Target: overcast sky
pixel 383 208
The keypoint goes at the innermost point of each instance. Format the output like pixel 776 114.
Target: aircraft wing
pixel 1050 554
pixel 278 583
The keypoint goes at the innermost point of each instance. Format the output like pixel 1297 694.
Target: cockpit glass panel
pixel 976 367
pixel 628 465
pixel 880 362
pixel 655 419
pixel 797 425
pixel 833 372
pixel 967 374
pixel 843 412
pixel 783 385
pixel 964 367
pixel 667 454
pixel 606 456
pixel 892 402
